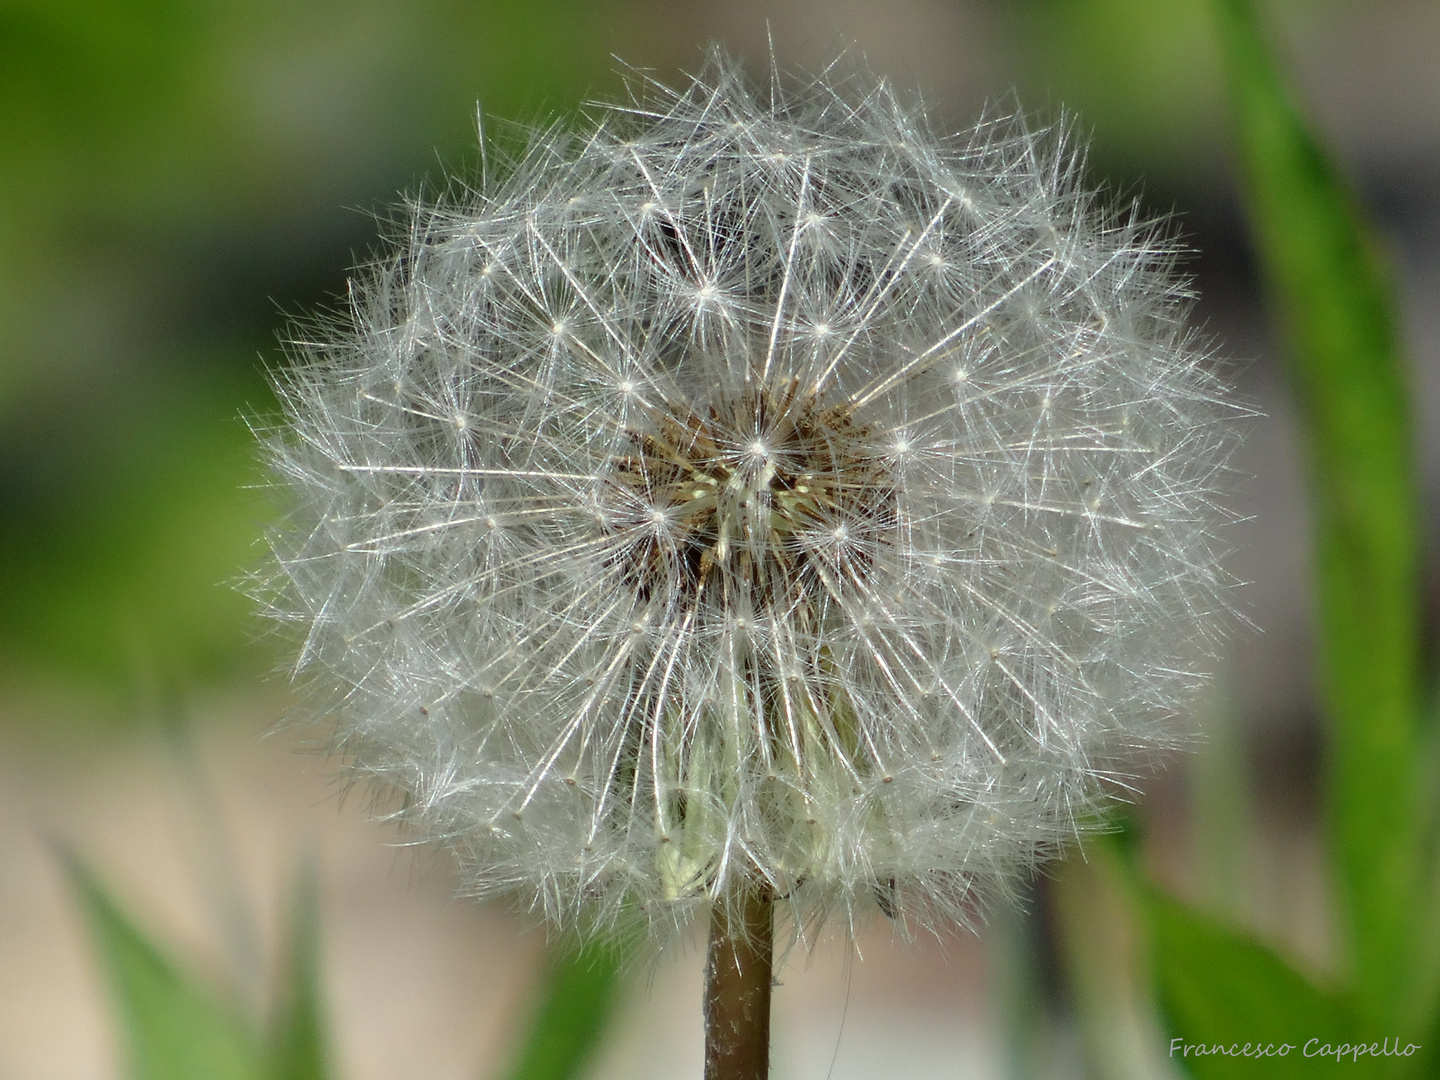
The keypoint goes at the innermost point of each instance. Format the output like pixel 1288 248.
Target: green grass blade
pixel 173 1029
pixel 297 1047
pixel 1222 988
pixel 575 1002
pixel 1326 277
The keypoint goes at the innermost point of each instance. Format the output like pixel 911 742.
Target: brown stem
pixel 737 987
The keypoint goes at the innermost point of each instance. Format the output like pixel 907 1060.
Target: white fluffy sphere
pixel 756 486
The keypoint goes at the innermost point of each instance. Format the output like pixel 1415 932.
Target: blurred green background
pixel 176 176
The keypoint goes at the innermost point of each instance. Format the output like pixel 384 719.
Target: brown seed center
pixel 757 499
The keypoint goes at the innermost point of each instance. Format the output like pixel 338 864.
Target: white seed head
pixel 756 484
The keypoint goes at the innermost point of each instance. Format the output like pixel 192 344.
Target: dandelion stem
pixel 737 987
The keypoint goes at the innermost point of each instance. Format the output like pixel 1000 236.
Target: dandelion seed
pixel 871 608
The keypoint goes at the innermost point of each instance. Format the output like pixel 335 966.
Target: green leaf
pixel 1322 267
pixel 1221 988
pixel 575 1002
pixel 297 1049
pixel 172 1028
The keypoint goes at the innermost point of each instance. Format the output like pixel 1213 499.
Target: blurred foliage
pixel 117 547
pixel 297 1048
pixel 172 1027
pixel 1326 279
pixel 1105 953
pixel 173 1024
pixel 574 1004
pixel 171 173
pixel 1144 76
pixel 1224 987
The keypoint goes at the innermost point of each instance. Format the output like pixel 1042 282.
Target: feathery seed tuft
pixel 756 486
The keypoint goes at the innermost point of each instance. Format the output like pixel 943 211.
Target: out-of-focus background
pixel 178 175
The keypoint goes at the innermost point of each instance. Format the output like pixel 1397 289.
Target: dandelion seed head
pixel 756 484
